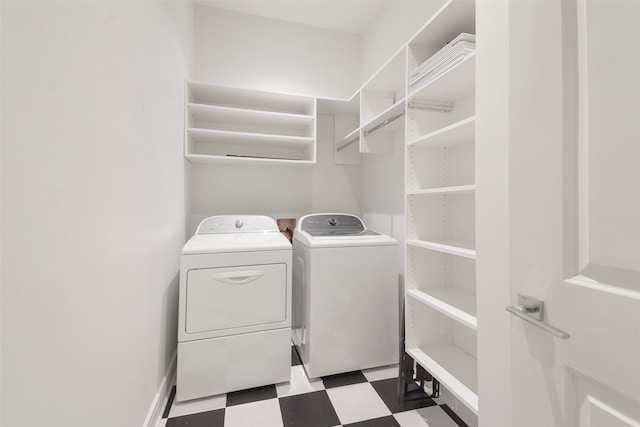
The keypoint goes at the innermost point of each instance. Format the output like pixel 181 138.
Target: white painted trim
pixel 589 283
pixel 154 416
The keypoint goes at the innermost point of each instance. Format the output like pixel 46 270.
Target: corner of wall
pixel 154 416
pixel 1 7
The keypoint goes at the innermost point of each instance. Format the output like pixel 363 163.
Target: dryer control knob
pixel 332 221
pixel 239 223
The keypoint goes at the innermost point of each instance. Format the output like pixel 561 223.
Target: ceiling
pixel 352 16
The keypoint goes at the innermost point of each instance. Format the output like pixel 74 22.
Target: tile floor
pixel 356 399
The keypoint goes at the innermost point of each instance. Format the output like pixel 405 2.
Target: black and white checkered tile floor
pixel 356 399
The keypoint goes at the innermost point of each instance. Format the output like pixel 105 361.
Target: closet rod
pixel 346 144
pixel 432 106
pixel 383 124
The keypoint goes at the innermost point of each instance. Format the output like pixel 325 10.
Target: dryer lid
pixel 236 233
pixel 240 242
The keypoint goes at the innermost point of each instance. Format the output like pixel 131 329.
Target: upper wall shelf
pixel 451 86
pixel 455 17
pixel 209 94
pixel 231 125
pixel 231 118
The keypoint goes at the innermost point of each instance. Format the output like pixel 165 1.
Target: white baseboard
pixel 154 416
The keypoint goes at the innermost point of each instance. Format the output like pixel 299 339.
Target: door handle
pixel 238 277
pixel 532 310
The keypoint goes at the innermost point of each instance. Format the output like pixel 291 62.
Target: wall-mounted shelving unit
pixel 378 106
pixel 440 304
pixel 433 109
pixel 231 125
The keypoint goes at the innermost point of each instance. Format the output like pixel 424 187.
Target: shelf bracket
pixel 412 380
pixel 422 376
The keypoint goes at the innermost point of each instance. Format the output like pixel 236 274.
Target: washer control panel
pixel 333 225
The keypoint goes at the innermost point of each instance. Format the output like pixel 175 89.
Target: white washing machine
pixel 346 295
pixel 234 327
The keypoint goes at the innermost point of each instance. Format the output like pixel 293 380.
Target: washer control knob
pixel 239 223
pixel 332 221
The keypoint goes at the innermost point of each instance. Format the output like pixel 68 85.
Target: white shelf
pixel 450 86
pixel 209 94
pixel 459 133
pixel 454 368
pixel 451 302
pixel 245 138
pixel 352 135
pixel 207 159
pixel 458 189
pixel 242 126
pixel 259 118
pixel 333 106
pixel 455 17
pixel 228 145
pixel 453 247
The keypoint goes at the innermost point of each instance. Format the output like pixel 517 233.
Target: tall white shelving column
pixel 441 323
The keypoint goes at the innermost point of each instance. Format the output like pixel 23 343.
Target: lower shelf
pixel 451 302
pixel 239 160
pixel 453 247
pixel 454 368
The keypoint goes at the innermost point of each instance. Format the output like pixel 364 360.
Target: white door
pixel 569 201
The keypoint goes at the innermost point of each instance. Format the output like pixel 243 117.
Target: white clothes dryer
pixel 234 324
pixel 346 295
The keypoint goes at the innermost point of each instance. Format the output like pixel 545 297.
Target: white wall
pixel 1 239
pixel 382 194
pixel 282 56
pixel 242 50
pixel 335 188
pixel 280 192
pixel 92 207
pixel 261 53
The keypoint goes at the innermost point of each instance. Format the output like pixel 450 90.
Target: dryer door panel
pixel 232 297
